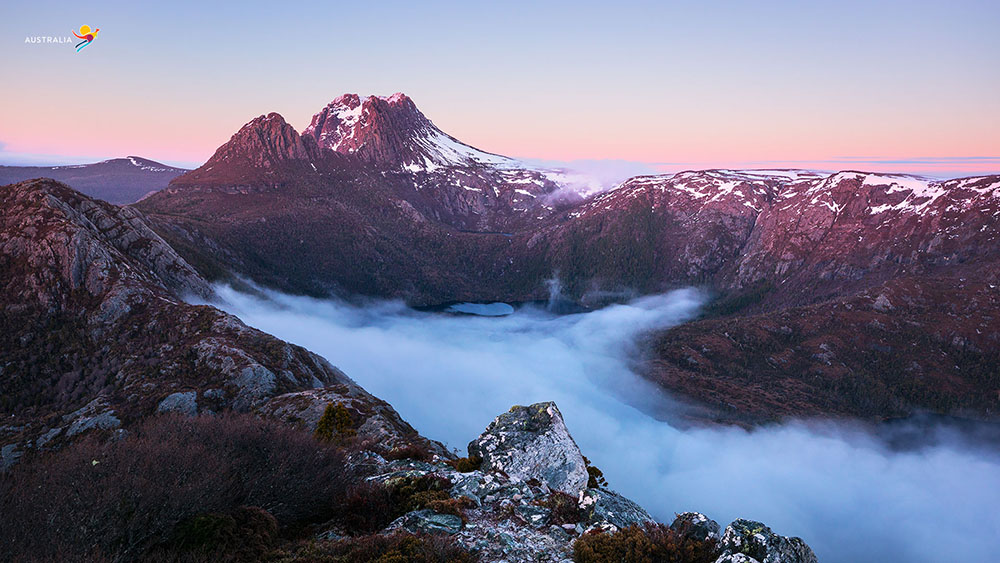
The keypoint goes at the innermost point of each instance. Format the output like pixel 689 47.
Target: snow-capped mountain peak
pixel 392 132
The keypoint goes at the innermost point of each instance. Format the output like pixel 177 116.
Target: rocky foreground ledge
pixel 527 493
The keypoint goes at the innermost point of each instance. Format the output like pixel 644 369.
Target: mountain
pixel 372 199
pixel 95 331
pixel 110 378
pixel 119 180
pixel 450 182
pixel 804 236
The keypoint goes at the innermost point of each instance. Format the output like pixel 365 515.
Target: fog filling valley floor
pixel 842 491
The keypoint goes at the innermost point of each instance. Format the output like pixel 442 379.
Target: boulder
pixel 533 443
pixel 185 402
pixel 9 455
pixel 534 516
pixel 756 540
pixel 696 526
pixel 428 522
pixel 608 510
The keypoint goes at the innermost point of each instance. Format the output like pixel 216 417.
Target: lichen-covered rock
pixel 375 421
pixel 609 510
pixel 759 542
pixel 696 525
pixel 514 515
pixel 736 558
pixel 95 414
pixel 533 443
pixel 185 402
pixel 255 382
pixel 428 522
pixel 534 516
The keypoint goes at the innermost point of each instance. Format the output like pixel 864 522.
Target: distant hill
pixel 119 180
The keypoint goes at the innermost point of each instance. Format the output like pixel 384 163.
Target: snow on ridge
pixel 147 167
pixel 774 173
pixel 898 182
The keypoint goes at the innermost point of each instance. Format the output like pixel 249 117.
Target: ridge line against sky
pixel 675 85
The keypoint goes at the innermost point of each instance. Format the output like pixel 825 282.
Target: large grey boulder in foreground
pixel 533 443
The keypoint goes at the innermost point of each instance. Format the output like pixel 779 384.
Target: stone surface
pixel 736 558
pixel 759 542
pixel 104 295
pixel 696 525
pixel 428 522
pixel 510 518
pixel 182 403
pixel 376 422
pixel 533 442
pixel 609 510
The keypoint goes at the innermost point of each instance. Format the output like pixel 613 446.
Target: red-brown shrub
pixel 124 498
pixel 410 451
pixel 394 548
pixel 654 543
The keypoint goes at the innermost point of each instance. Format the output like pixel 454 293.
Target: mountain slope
pixel 911 344
pixel 119 180
pixel 95 334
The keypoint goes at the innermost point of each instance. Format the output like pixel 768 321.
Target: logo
pixel 87 35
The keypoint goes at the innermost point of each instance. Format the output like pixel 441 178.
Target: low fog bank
pixel 845 492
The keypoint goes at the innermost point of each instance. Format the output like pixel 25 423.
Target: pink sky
pixel 846 85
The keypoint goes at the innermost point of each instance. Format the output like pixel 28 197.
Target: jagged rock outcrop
pixel 609 510
pixel 375 422
pixel 533 442
pixel 56 242
pixel 518 517
pixel 747 541
pixel 264 142
pixel 382 130
pixel 696 525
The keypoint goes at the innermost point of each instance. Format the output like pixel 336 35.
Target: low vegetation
pixel 211 488
pixel 564 508
pixel 595 477
pixel 466 464
pixel 394 548
pixel 335 425
pixel 654 543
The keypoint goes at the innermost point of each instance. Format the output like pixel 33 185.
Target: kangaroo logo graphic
pixel 87 35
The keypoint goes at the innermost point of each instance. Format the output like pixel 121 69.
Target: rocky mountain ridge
pixel 531 495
